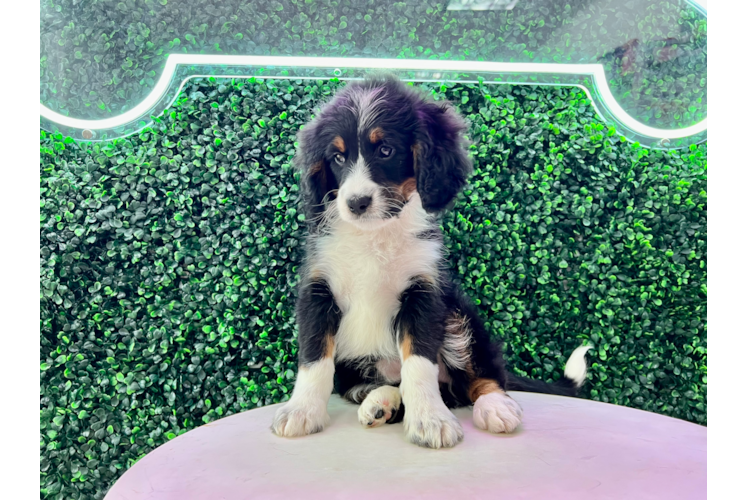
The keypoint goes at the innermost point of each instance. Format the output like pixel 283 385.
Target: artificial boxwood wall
pixel 169 264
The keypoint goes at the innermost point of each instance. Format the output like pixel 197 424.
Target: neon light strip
pixel 595 71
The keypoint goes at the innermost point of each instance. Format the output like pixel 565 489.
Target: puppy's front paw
pixel 379 406
pixel 496 412
pixel 300 419
pixel 432 426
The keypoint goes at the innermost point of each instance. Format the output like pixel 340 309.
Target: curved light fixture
pixel 594 71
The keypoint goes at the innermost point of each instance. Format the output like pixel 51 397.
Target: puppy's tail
pixel 574 377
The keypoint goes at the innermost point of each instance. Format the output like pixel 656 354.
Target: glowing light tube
pixel 594 71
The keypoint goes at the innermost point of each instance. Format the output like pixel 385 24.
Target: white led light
pixel 595 71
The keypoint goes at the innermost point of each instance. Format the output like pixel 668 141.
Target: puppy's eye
pixel 386 151
pixel 339 159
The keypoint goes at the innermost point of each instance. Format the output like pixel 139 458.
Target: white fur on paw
pixel 496 412
pixel 300 419
pixel 432 426
pixel 379 406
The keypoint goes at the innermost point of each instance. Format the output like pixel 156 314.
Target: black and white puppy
pixel 380 320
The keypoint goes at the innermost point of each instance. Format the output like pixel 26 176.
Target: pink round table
pixel 565 448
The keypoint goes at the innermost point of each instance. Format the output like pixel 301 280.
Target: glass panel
pixel 108 66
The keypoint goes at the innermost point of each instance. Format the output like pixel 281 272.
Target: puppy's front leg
pixel 420 332
pixel 318 320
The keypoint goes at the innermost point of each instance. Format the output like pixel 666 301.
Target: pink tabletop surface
pixel 565 448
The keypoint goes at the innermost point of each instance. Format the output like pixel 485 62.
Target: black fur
pixel 422 318
pixel 442 164
pixel 318 183
pixel 317 317
pixel 562 387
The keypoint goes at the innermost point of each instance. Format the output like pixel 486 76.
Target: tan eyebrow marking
pixel 376 135
pixel 339 143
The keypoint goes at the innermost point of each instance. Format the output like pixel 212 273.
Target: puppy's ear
pixel 318 184
pixel 442 163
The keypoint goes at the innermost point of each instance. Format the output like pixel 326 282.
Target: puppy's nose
pixel 359 204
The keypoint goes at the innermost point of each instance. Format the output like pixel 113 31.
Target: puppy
pixel 380 320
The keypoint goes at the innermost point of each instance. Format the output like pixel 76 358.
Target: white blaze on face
pixel 358 184
pixel 366 105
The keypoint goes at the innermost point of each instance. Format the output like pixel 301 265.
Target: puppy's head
pixel 374 146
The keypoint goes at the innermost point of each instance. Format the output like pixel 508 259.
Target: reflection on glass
pixel 102 59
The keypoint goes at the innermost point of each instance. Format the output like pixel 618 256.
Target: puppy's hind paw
pixel 380 406
pixel 496 412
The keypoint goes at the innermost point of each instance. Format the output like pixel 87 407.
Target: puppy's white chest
pixel 367 272
pixel 368 267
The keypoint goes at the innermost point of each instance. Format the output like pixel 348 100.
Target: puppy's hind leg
pixel 477 369
pixel 382 405
pixel 493 409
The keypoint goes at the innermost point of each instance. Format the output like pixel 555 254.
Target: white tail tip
pixel 576 365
